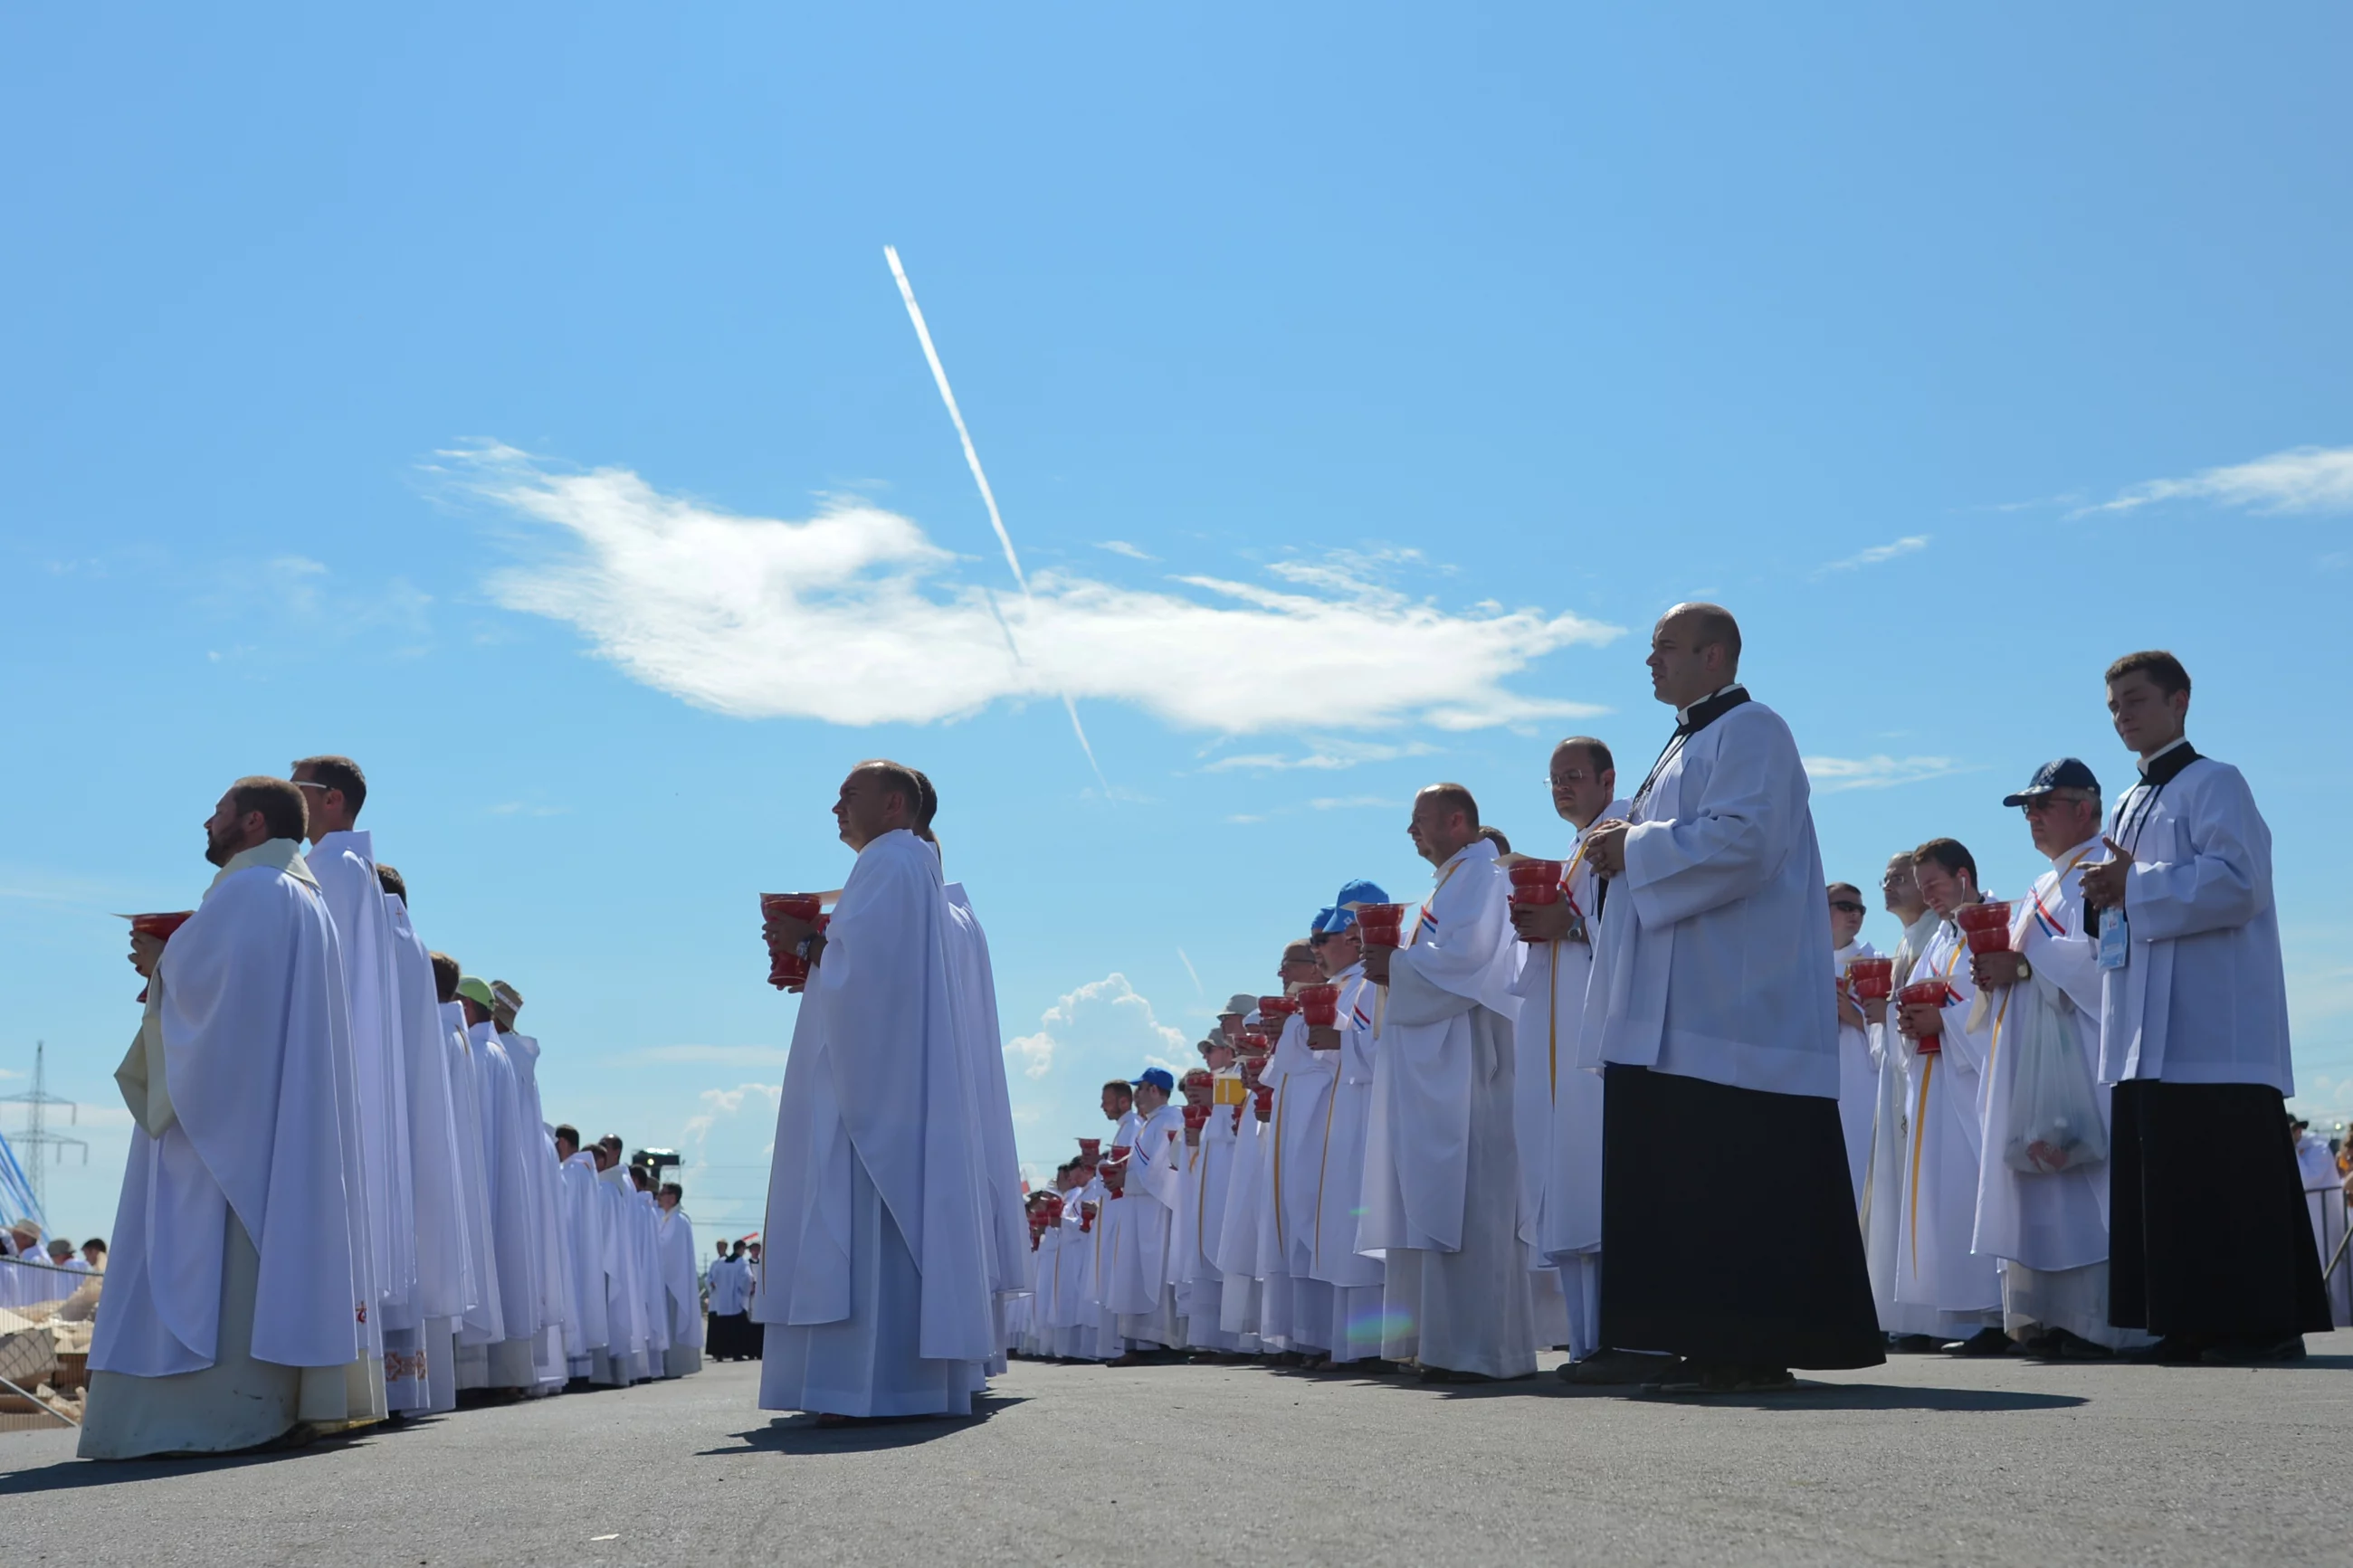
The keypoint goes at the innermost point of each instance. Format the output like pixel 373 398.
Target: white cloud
pixel 854 617
pixel 1325 754
pixel 1831 775
pixel 721 1105
pixel 1910 544
pixel 2300 479
pixel 1105 1016
pixel 1122 547
pixel 1343 802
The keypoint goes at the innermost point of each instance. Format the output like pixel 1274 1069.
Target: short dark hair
pixel 337 772
pixel 94 1241
pixel 927 803
pixel 898 779
pixel 1603 762
pixel 2161 667
pixel 1494 835
pixel 446 975
pixel 567 1133
pixel 1949 853
pixel 674 1190
pixel 1455 797
pixel 279 802
pixel 610 1141
pixel 390 879
pixel 1844 887
pixel 1122 1085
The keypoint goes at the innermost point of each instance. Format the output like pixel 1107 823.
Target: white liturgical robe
pixel 1354 1278
pixel 1720 973
pixel 238 1295
pixel 1886 1182
pixel 973 980
pixel 444 1283
pixel 1858 1077
pixel 2204 998
pixel 875 1279
pixel 1936 1268
pixel 1441 1167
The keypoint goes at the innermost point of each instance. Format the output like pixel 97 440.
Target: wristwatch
pixel 2025 969
pixel 803 948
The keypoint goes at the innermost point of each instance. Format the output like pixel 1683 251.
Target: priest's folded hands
pixel 1377 964
pixel 1992 971
pixel 1547 922
pixel 1919 1020
pixel 1605 847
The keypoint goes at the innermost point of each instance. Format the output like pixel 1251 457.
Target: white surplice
pixel 506 1160
pixel 241 1210
pixel 1441 1166
pixel 875 1279
pixel 2204 998
pixel 1141 1291
pixel 1200 1222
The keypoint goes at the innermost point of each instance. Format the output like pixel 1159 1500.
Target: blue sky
pixel 516 398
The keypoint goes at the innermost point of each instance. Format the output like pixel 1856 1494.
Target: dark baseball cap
pixel 2067 772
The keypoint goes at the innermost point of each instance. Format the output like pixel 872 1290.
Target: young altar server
pixel 875 1281
pixel 1709 1005
pixel 2043 1186
pixel 2212 1247
pixel 1560 1102
pixel 238 1299
pixel 1938 1270
pixel 1441 1166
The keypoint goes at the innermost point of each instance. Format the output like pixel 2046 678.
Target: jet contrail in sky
pixel 987 495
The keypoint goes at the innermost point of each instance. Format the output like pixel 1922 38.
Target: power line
pixel 35 1135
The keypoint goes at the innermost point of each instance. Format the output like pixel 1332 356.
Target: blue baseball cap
pixel 1157 1077
pixel 2067 772
pixel 1339 917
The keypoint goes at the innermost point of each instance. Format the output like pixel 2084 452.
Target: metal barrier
pixel 2330 1231
pixel 15 1273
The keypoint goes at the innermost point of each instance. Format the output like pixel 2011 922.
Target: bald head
pixel 1445 819
pixel 1694 652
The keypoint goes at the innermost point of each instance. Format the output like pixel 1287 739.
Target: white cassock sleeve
pixel 2225 882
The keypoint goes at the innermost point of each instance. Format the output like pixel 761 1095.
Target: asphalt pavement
pixel 1929 1460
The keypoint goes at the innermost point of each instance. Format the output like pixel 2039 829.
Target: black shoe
pixel 1912 1344
pixel 1713 1378
pixel 2064 1344
pixel 1985 1342
pixel 2173 1350
pixel 1616 1369
pixel 2254 1352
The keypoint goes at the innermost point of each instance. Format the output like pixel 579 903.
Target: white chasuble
pixel 1441 1166
pixel 241 1210
pixel 876 1275
pixel 1858 1077
pixel 1936 1269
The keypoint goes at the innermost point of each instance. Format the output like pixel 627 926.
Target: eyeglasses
pixel 306 783
pixel 1846 906
pixel 1567 781
pixel 1895 879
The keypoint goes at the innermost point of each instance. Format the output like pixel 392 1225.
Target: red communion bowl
pixel 1871 979
pixel 1987 916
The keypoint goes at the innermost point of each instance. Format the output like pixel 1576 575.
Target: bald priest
pixel 1706 1009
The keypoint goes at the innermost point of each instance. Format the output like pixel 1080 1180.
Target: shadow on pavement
pixel 70 1473
pixel 1807 1395
pixel 802 1435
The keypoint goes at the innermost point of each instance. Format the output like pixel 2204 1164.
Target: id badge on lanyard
pixel 2116 941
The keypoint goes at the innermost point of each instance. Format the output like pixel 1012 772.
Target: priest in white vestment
pixel 1141 1291
pixel 238 1300
pixel 1208 1173
pixel 342 858
pixel 1305 1071
pixel 2042 1183
pixel 554 1268
pixel 682 1292
pixel 509 1361
pixel 1709 1006
pixel 1938 1271
pixel 875 1282
pixel 587 1250
pixel 444 1283
pixel 1441 1166
pixel 1885 1177
pixel 1354 1279
pixel 2210 1247
pixel 973 979
pixel 1561 1101
pixel 1858 1068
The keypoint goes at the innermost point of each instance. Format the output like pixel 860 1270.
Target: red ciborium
pixel 1089 1151
pixel 1926 994
pixel 1114 1177
pixel 1196 1118
pixel 1536 881
pixel 1383 924
pixel 785 967
pixel 1320 1005
pixel 160 927
pixel 1871 979
pixel 1266 1102
pixel 1986 925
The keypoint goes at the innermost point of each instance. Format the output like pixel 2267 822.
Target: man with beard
pixel 238 1306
